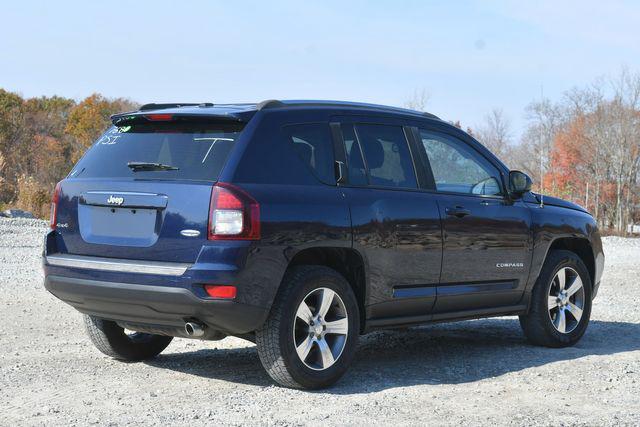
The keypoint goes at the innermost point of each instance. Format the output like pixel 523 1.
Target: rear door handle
pixel 458 211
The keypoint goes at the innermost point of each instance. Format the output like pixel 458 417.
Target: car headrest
pixel 355 157
pixel 374 153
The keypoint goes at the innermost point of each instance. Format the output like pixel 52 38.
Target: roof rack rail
pixel 431 116
pixel 274 103
pixel 153 106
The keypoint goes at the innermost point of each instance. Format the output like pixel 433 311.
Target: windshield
pixel 183 150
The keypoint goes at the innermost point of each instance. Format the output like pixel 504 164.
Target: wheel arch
pixel 346 261
pixel 579 246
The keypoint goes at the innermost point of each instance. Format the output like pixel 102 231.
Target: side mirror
pixel 519 183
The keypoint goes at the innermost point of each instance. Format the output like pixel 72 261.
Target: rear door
pixel 142 191
pixel 395 224
pixel 486 235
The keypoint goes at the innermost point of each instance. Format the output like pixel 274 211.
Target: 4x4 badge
pixel 113 200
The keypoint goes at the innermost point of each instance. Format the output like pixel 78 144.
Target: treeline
pixel 584 148
pixel 41 139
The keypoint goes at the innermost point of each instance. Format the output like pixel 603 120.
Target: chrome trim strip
pixel 120 265
pixel 130 193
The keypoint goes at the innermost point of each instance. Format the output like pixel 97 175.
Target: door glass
pixel 457 168
pixel 357 171
pixel 387 156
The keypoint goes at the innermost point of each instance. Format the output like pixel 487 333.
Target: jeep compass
pixel 300 225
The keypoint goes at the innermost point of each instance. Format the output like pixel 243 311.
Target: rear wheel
pixel 311 334
pixel 560 302
pixel 114 341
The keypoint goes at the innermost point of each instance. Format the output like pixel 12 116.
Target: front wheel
pixel 114 341
pixel 311 334
pixel 560 302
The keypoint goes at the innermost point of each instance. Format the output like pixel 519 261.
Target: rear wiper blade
pixel 146 166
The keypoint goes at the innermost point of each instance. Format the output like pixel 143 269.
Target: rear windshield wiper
pixel 146 166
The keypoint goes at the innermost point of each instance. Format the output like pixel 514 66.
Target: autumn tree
pixel 568 159
pixel 12 129
pixel 89 118
pixel 587 148
pixel 40 140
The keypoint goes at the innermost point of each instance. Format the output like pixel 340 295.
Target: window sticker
pixel 213 142
pixel 108 139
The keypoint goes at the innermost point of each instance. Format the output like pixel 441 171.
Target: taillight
pixel 233 214
pixel 53 218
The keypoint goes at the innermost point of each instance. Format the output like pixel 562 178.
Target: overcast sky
pixel 471 56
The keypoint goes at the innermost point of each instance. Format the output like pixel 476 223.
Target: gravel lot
pixel 474 373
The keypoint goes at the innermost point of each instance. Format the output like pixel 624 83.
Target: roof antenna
pixel 541 156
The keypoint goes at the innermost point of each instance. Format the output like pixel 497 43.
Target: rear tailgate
pixel 159 211
pixel 166 224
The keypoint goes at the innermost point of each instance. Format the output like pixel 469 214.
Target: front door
pixel 486 235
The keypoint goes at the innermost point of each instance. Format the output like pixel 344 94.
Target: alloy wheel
pixel 566 300
pixel 320 329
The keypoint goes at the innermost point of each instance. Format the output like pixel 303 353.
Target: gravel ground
pixel 474 373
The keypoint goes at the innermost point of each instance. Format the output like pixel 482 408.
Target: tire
pixel 542 325
pixel 112 340
pixel 285 330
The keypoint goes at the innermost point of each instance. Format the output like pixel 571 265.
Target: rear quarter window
pixel 198 151
pixel 313 144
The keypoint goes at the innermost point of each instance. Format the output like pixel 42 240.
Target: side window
pixel 357 172
pixel 387 156
pixel 314 145
pixel 457 168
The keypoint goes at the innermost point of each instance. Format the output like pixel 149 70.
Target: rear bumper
pixel 165 306
pixel 161 296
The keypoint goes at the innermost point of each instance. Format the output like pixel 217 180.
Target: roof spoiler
pixel 153 106
pixel 128 116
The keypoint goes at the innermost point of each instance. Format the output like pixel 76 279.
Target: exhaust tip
pixel 194 329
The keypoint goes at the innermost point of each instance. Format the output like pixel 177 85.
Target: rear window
pixel 194 151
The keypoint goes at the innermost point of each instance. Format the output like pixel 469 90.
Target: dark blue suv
pixel 300 225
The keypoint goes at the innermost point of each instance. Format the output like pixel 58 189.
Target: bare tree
pixel 418 100
pixel 586 147
pixel 524 156
pixel 545 119
pixel 495 133
pixel 625 148
pixel 591 142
